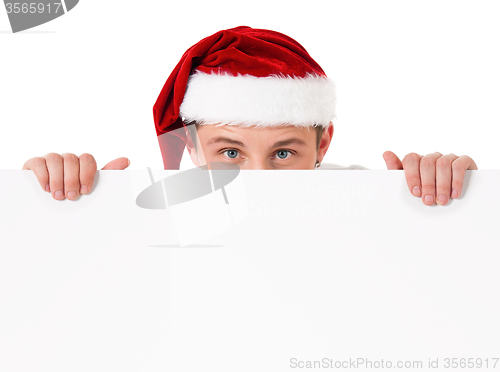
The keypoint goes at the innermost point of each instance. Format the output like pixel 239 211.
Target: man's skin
pixel 427 176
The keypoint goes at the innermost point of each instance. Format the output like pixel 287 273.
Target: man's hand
pixel 433 174
pixel 68 174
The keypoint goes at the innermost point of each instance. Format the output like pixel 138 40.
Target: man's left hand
pixel 434 177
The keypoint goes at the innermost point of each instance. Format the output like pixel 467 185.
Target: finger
pixel 88 168
pixel 428 177
pixel 71 176
pixel 56 174
pixel 392 161
pixel 411 166
pixel 443 178
pixel 39 168
pixel 459 166
pixel 117 164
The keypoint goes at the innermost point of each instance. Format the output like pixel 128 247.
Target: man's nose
pixel 257 165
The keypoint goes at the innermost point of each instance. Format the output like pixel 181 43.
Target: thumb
pixel 117 164
pixel 392 161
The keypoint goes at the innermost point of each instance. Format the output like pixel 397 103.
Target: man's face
pixel 286 147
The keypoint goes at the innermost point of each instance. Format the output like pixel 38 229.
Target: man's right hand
pixel 68 175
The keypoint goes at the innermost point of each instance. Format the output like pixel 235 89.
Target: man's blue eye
pixel 282 154
pixel 230 153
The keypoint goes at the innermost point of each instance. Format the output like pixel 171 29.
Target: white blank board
pixel 327 266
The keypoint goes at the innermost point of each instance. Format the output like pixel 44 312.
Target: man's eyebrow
pixel 226 140
pixel 291 141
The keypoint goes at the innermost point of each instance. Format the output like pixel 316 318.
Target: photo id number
pixel 32 8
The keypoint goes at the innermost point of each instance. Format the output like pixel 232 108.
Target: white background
pixel 411 76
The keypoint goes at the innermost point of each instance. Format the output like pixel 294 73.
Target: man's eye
pixel 232 154
pixel 282 154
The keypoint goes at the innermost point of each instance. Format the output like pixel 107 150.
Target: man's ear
pixel 189 142
pixel 325 141
pixel 191 149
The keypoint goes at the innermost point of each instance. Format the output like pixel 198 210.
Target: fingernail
pixel 47 187
pixel 128 162
pixel 442 199
pixel 416 191
pixel 429 199
pixel 454 193
pixel 84 189
pixel 72 195
pixel 59 194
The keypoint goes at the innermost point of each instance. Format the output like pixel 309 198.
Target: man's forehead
pixel 246 129
pixel 287 135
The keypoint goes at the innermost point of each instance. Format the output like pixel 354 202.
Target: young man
pixel 255 98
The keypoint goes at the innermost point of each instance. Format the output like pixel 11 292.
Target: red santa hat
pixel 245 77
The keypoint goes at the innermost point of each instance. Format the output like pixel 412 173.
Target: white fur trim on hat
pixel 246 100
